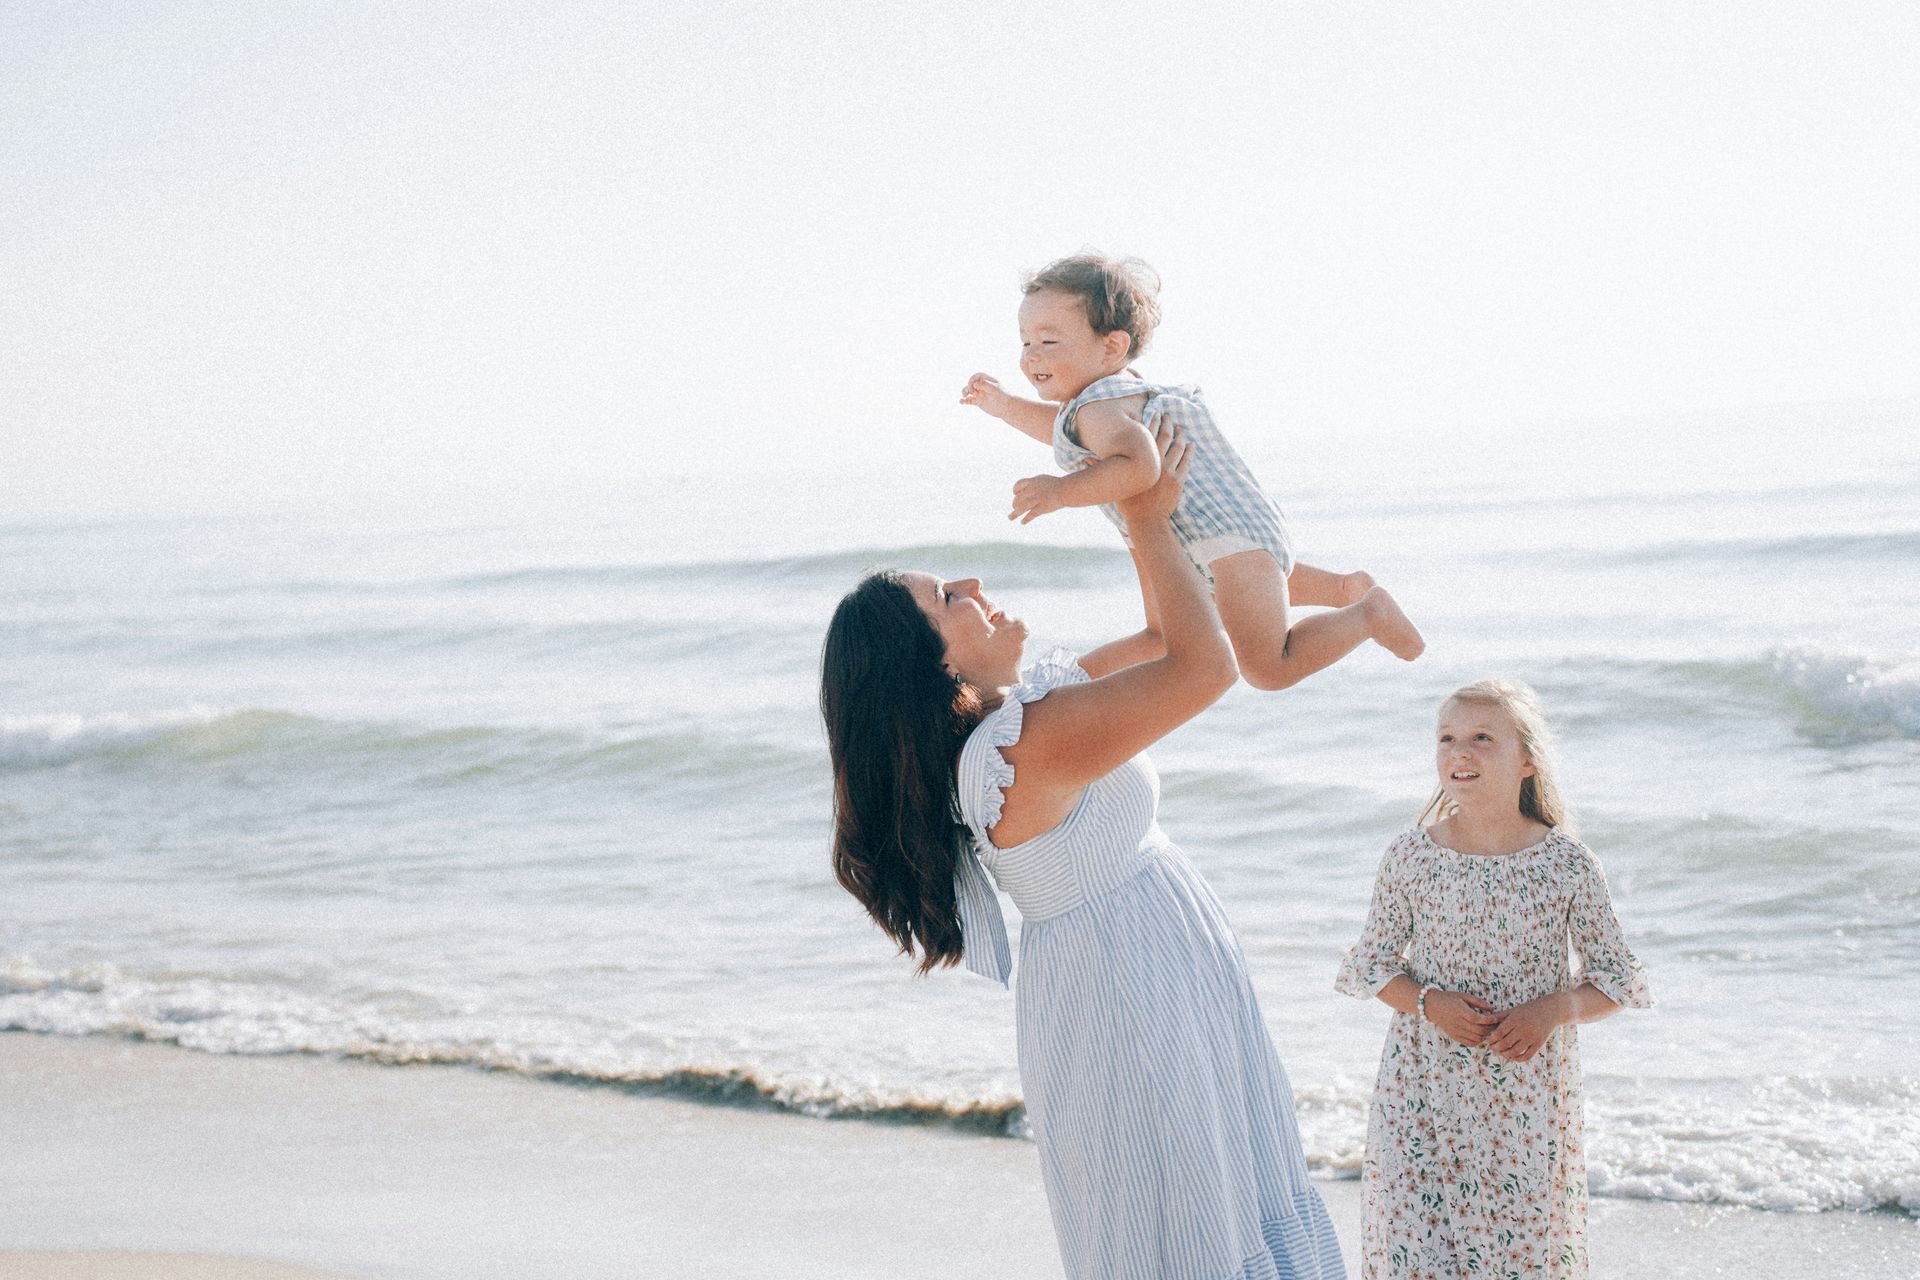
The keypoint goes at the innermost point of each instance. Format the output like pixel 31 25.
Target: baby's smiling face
pixel 1060 354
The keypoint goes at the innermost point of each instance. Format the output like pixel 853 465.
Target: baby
pixel 1083 322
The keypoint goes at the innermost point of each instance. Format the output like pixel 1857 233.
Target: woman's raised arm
pixel 1081 732
pixel 1141 646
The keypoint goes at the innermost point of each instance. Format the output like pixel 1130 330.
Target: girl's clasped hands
pixel 1516 1033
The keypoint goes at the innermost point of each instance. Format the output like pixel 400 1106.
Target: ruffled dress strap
pixel 983 777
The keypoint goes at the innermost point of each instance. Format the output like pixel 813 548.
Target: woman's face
pixel 983 645
pixel 1479 757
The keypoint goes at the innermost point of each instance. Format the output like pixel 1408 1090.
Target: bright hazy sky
pixel 266 255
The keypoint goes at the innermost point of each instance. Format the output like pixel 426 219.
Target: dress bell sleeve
pixel 1375 959
pixel 1600 946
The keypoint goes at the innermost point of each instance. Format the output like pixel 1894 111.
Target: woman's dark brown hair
pixel 895 723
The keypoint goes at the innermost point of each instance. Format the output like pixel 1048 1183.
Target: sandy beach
pixel 128 1159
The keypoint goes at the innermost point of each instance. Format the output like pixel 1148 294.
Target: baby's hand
pixel 1465 1019
pixel 984 390
pixel 1035 496
pixel 1524 1029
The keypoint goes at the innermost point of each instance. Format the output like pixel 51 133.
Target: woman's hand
pixel 984 390
pixel 1464 1019
pixel 1157 501
pixel 1522 1030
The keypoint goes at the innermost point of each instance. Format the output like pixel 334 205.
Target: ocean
pixel 546 792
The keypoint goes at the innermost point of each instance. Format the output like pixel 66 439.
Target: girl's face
pixel 1479 757
pixel 1060 353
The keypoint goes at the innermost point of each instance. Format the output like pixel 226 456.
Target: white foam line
pixel 1776 1143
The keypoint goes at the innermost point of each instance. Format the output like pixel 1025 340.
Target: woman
pixel 1163 1117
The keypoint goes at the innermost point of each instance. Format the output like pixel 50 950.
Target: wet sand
pixel 129 1150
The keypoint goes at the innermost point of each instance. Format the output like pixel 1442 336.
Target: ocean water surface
pixel 550 795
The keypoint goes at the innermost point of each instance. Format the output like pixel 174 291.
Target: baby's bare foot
pixel 1354 586
pixel 1390 628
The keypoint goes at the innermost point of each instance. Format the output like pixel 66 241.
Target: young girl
pixel 1083 322
pixel 1474 1159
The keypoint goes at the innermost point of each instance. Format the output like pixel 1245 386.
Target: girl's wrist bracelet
pixel 1420 1006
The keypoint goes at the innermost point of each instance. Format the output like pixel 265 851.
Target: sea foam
pixel 1777 1143
pixel 59 737
pixel 1854 690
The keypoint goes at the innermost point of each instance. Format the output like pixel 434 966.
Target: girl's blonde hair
pixel 1540 796
pixel 1118 294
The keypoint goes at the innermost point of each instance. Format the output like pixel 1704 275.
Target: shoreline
pixel 351 1169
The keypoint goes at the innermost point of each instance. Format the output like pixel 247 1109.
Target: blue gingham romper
pixel 1165 1122
pixel 1220 498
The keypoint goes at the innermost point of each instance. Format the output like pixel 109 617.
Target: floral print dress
pixel 1475 1164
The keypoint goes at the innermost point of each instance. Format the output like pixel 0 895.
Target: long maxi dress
pixel 1165 1122
pixel 1475 1164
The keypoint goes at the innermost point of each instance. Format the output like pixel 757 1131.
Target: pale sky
pixel 262 256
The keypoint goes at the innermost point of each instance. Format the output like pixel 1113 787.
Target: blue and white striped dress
pixel 1164 1119
pixel 1222 507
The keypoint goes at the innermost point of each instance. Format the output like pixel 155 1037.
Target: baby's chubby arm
pixel 1127 463
pixel 1032 417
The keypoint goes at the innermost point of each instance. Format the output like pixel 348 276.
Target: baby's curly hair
pixel 1118 293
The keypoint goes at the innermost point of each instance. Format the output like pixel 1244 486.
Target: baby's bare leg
pixel 1275 653
pixel 1324 588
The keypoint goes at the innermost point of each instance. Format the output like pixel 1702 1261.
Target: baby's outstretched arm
pixel 1032 417
pixel 1127 463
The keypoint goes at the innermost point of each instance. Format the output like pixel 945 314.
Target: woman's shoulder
pixel 1057 669
pixel 984 771
pixel 1057 666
